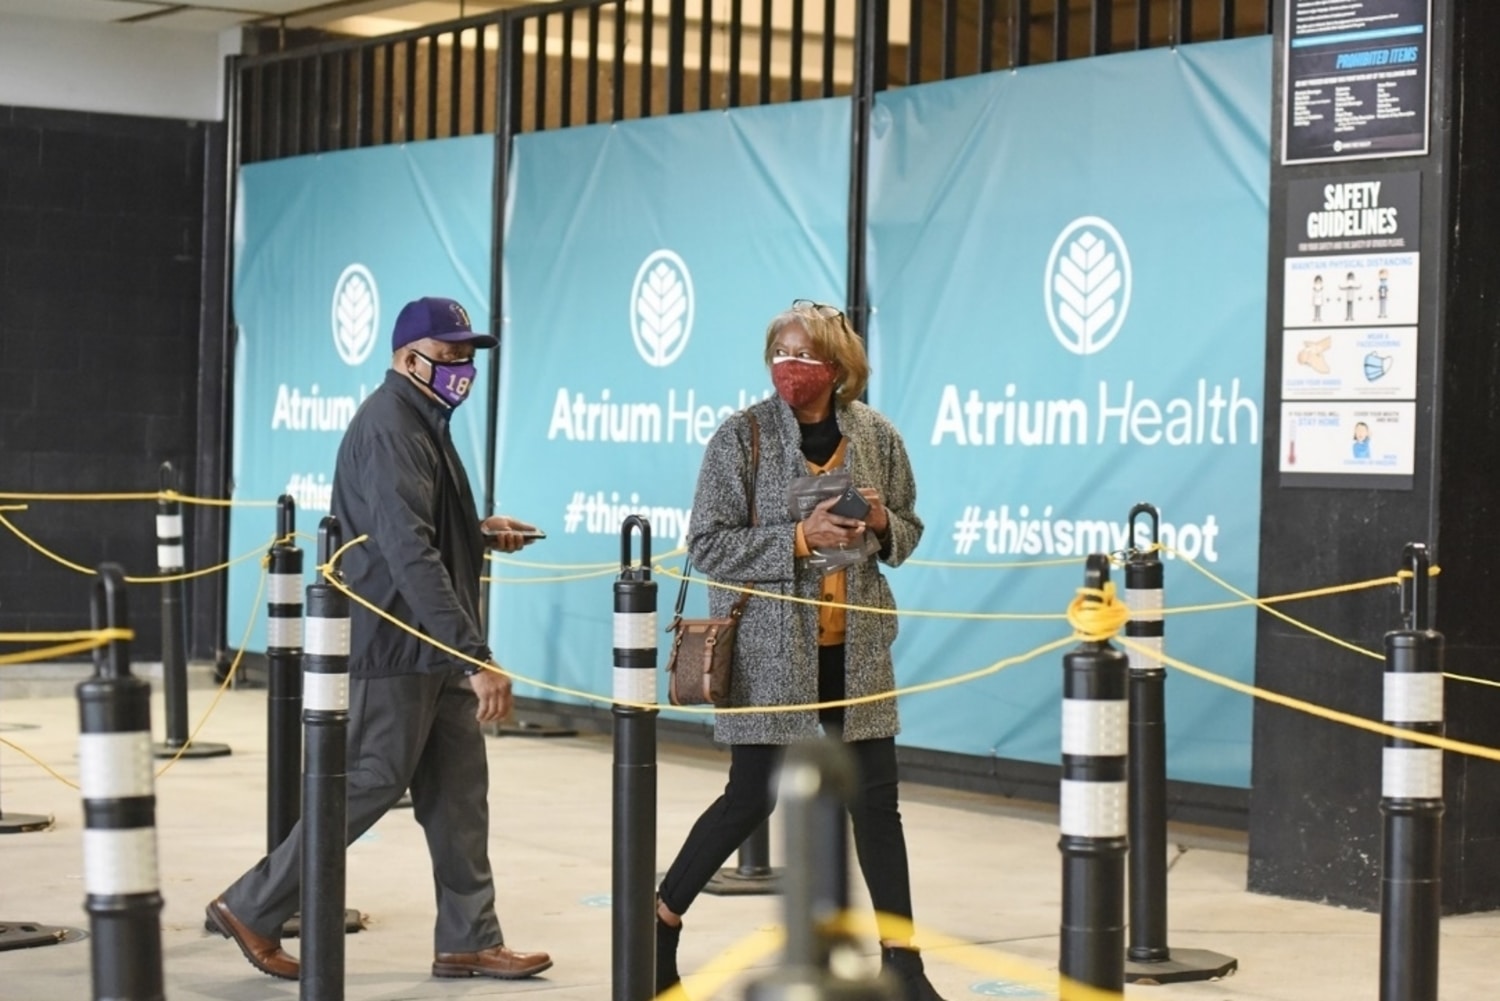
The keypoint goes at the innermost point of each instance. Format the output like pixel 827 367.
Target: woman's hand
pixel 878 518
pixel 825 530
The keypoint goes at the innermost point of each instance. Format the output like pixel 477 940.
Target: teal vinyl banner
pixel 642 263
pixel 1068 271
pixel 327 251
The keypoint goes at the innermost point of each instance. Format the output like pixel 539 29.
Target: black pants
pixel 749 798
pixel 417 732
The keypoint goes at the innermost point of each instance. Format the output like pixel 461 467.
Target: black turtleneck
pixel 820 440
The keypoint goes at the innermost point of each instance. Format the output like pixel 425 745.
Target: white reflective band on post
pixel 325 692
pixel 284 633
pixel 635 630
pixel 1092 809
pixel 327 637
pixel 169 526
pixel 169 557
pixel 633 684
pixel 1145 604
pixel 112 765
pixel 1413 698
pixel 120 861
pixel 1095 727
pixel 1411 773
pixel 1142 661
pixel 284 588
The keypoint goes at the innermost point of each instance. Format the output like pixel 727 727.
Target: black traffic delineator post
pixel 1411 798
pixel 1092 812
pixel 284 678
pixel 171 560
pixel 1148 959
pixel 817 783
pixel 633 895
pixel 325 779
pixel 753 873
pixel 119 813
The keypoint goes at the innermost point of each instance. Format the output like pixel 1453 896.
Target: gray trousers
pixel 417 732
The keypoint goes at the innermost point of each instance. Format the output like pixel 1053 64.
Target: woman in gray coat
pixel 794 653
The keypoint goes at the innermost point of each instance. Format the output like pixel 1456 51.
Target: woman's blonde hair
pixel 833 339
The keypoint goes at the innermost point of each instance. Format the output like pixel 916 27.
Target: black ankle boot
pixel 666 955
pixel 906 966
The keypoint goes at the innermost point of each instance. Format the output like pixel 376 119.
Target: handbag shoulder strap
pixel 687 566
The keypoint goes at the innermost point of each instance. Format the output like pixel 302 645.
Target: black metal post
pixel 1411 799
pixel 1092 810
pixel 284 679
pixel 325 718
pixel 1148 957
pixel 869 79
pixel 633 929
pixel 170 561
pixel 752 874
pixel 119 813
pixel 817 784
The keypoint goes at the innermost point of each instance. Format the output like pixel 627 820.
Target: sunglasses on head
pixel 822 309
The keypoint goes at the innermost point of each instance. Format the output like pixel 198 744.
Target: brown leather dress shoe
pixel 496 961
pixel 265 954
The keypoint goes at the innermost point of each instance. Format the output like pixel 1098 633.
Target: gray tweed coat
pixel 776 655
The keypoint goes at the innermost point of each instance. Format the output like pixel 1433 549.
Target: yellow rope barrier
pixel 1096 614
pixel 1263 604
pixel 1300 705
pixel 607 565
pixel 715 975
pixel 327 570
pixel 143 495
pixel 915 613
pixel 234 667
pixel 39 763
pixel 158 579
pixel 50 652
pixel 558 579
pixel 126 634
pixel 895 928
pixel 76 634
pixel 1062 561
pixel 1252 602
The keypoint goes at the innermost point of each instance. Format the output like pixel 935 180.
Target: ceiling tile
pixel 198 19
pixel 80 10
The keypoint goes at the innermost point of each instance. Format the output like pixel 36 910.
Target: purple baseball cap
pixel 440 319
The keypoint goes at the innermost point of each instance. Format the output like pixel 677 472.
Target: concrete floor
pixel 985 871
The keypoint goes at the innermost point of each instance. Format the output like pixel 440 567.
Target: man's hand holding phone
pixel 509 535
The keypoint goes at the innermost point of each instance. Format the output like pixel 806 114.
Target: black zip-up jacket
pixel 400 481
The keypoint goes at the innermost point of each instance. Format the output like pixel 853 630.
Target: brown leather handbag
pixel 701 664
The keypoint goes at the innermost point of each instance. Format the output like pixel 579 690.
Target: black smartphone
pixel 851 504
pixel 534 533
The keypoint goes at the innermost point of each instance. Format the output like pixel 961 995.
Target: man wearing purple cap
pixel 414 710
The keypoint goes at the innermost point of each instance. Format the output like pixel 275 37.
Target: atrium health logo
pixel 1087 285
pixel 661 308
pixel 356 314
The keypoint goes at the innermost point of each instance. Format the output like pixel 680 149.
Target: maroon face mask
pixel 799 381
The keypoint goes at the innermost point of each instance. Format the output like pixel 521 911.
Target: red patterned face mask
pixel 800 381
